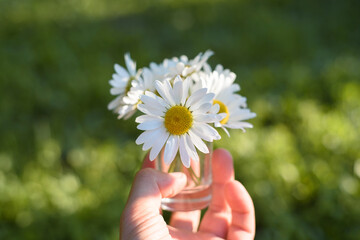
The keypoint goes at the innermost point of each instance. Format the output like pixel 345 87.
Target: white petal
pixel 130 64
pixel 159 99
pixel 187 71
pixel 144 118
pixel 206 99
pixel 234 87
pixel 219 68
pixel 159 143
pixel 191 149
pixel 206 132
pixel 186 85
pixel 129 114
pixel 225 130
pixel 197 58
pixel 149 110
pixel 207 118
pixel 207 68
pixel 184 155
pixel 117 82
pixel 207 54
pixel 126 111
pixel 146 136
pixel 180 67
pixel 221 116
pixel 150 125
pixel 215 108
pixel 160 88
pixel 170 91
pixel 114 103
pixel 116 91
pixel 243 114
pixel 121 79
pixel 202 134
pixel 196 96
pixel 148 77
pixel 178 89
pixel 237 102
pixel 198 142
pixel 131 99
pixel 239 125
pixel 150 142
pixel 206 107
pixel 152 102
pixel 171 148
pixel 121 71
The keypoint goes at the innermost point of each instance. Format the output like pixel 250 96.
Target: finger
pixel 218 216
pixel 188 221
pixel 150 186
pixel 141 214
pixel 223 172
pixel 147 163
pixel 243 213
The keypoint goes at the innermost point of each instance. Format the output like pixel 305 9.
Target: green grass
pixel 66 162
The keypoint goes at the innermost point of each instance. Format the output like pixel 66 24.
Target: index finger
pixel 218 216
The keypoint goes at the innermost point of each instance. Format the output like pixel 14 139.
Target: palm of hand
pixel 230 214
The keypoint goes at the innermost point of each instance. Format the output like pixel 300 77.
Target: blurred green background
pixel 66 162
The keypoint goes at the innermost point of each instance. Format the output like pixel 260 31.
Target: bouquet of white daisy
pixel 183 103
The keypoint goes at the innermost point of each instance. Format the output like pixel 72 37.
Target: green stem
pixel 172 165
pixel 177 164
pixel 193 176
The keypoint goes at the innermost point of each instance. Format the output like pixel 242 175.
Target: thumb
pixel 141 218
pixel 150 186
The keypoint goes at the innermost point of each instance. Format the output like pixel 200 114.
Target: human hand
pixel 230 214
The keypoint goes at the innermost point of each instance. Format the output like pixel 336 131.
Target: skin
pixel 230 214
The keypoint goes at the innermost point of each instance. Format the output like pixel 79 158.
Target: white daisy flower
pixel 226 102
pixel 122 82
pixel 129 103
pixel 177 121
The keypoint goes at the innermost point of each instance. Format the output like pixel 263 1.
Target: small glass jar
pixel 197 193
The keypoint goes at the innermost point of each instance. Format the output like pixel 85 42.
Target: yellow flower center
pixel 178 120
pixel 223 109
